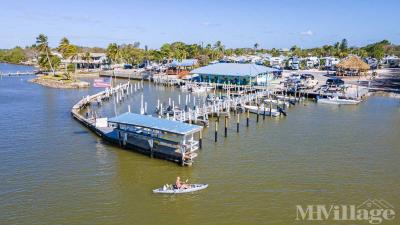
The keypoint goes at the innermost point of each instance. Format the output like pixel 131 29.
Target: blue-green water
pixel 54 171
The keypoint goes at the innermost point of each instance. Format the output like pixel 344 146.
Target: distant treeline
pixel 15 55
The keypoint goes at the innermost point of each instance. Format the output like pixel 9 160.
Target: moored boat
pixel 338 101
pixel 260 110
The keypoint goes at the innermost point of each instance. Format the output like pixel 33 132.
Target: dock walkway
pixel 18 73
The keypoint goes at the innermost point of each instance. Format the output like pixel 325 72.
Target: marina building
pixel 235 73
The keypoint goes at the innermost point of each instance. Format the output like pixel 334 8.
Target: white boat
pixel 338 101
pixel 275 102
pixel 198 89
pixel 168 189
pixel 260 110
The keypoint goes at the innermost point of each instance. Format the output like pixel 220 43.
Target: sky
pixel 271 24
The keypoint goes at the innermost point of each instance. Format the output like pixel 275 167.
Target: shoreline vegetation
pixel 48 59
pixel 59 82
pixel 58 62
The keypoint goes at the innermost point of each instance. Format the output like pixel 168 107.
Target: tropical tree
pixel 344 45
pixel 86 57
pixel 179 50
pixel 194 51
pixel 166 51
pixel 256 45
pixel 274 52
pixel 68 51
pixel 112 52
pixel 156 55
pixel 15 55
pixel 218 50
pixel 42 46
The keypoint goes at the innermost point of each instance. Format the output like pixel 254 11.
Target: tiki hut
pixel 352 66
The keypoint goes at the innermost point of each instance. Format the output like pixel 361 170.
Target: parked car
pixel 307 76
pixel 334 82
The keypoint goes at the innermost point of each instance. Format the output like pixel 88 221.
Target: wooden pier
pixel 124 74
pixel 17 73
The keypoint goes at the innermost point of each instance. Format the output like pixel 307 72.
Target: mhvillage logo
pixel 372 211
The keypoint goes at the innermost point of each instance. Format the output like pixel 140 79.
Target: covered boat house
pixel 235 73
pixel 182 67
pixel 157 137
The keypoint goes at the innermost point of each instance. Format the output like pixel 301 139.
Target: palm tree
pixel 256 45
pixel 87 58
pixel 113 52
pixel 43 47
pixel 219 49
pixel 67 50
pixel 63 49
pixel 166 51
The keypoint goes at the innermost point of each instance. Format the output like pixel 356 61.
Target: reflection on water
pixel 53 171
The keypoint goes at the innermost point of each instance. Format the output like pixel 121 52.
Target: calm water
pixel 54 171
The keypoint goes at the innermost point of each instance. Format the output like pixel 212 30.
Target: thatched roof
pixel 353 63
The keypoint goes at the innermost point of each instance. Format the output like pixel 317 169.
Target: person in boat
pixel 180 184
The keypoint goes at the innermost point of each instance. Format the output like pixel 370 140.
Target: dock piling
pixel 248 118
pixel 226 126
pixel 216 131
pixel 201 140
pixel 237 122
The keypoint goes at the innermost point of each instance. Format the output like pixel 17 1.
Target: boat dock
pixel 264 101
pixel 156 137
pixel 151 135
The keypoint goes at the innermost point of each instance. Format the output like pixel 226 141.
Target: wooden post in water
pixel 248 118
pixel 264 112
pixel 226 126
pixel 237 122
pixel 270 108
pixel 201 140
pixel 216 130
pixel 258 112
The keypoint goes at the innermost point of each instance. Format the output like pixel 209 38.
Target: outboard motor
pixel 282 111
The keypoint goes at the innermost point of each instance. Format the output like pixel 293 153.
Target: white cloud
pixel 307 33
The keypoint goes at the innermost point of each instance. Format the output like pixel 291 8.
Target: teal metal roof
pixel 155 123
pixel 233 69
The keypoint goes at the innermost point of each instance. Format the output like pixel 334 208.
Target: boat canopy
pixel 150 122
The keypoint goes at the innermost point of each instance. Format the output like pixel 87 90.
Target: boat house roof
pixel 233 69
pixel 155 123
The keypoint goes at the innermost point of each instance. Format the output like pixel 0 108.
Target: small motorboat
pixel 338 101
pixel 276 102
pixel 170 189
pixel 260 110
